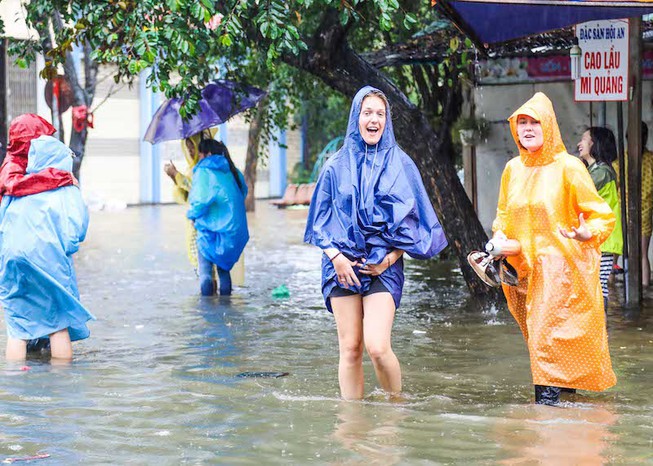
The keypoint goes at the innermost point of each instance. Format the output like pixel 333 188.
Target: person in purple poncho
pixel 369 208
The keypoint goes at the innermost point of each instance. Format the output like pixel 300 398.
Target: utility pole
pixel 634 177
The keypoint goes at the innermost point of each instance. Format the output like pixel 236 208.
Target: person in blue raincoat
pixel 39 234
pixel 217 208
pixel 369 208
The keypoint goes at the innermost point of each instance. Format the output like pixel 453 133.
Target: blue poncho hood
pixel 39 234
pixel 370 200
pixel 48 152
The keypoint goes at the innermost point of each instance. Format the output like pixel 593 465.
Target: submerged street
pixel 156 383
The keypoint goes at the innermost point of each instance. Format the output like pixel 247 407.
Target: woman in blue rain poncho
pixel 39 233
pixel 217 208
pixel 369 208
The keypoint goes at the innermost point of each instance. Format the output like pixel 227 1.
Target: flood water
pixel 156 382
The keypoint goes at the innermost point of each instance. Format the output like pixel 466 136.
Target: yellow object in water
pixel 558 303
pixel 238 271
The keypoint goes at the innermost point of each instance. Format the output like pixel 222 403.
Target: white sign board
pixel 603 61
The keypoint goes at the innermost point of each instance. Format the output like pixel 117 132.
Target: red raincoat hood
pixel 23 129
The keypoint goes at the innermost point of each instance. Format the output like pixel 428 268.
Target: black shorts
pixel 376 286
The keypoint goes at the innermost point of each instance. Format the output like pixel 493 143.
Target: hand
pixel 376 269
pixel 345 270
pixel 582 233
pixel 500 236
pixel 170 169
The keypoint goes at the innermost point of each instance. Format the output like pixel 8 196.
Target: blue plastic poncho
pixel 217 206
pixel 370 200
pixel 39 234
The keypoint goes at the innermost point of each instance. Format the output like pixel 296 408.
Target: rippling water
pixel 156 382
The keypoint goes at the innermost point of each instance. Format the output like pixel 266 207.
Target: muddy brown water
pixel 157 381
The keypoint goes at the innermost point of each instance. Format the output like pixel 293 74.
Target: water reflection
pixel 371 433
pixel 211 340
pixel 571 434
pixel 156 382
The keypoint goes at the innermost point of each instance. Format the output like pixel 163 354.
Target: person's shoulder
pixel 571 162
pixel 604 168
pixel 332 163
pixel 602 174
pixel 397 151
pixel 513 162
pixel 647 157
pixel 516 160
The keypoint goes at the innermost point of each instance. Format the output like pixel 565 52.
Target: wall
pixel 496 104
pixel 111 169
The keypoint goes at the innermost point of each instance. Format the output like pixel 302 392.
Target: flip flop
pixel 508 274
pixel 483 264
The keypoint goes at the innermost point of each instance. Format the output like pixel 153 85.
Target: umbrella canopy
pixel 220 100
pixel 490 21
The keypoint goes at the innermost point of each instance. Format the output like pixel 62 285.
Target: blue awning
pixel 489 22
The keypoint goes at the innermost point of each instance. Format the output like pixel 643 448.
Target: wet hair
pixel 380 95
pixel 604 144
pixel 211 146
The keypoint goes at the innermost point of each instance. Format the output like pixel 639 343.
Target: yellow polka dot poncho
pixel 558 303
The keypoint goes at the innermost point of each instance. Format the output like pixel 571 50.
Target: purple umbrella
pixel 221 100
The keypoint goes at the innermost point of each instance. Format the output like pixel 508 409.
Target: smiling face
pixel 371 121
pixel 584 147
pixel 530 133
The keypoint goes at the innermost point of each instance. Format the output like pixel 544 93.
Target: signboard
pixel 523 70
pixel 603 61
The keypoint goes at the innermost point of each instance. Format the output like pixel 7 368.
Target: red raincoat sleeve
pixel 14 181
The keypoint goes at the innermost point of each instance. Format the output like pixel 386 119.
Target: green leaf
pixel 344 16
pixel 265 28
pixel 208 4
pixel 225 40
pixel 454 43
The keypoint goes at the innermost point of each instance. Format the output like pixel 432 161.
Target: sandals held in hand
pixel 493 271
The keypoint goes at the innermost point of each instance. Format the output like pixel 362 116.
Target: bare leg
pixel 379 311
pixel 60 345
pixel 348 311
pixel 16 349
pixel 646 266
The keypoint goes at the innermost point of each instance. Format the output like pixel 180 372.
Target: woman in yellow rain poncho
pixel 183 184
pixel 558 303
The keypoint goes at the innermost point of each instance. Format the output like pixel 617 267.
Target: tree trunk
pixel 78 146
pixel 330 58
pixel 251 161
pixel 81 95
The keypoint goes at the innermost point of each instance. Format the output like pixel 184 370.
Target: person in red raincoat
pixel 13 180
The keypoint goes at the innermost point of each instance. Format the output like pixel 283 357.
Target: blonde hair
pixel 380 95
